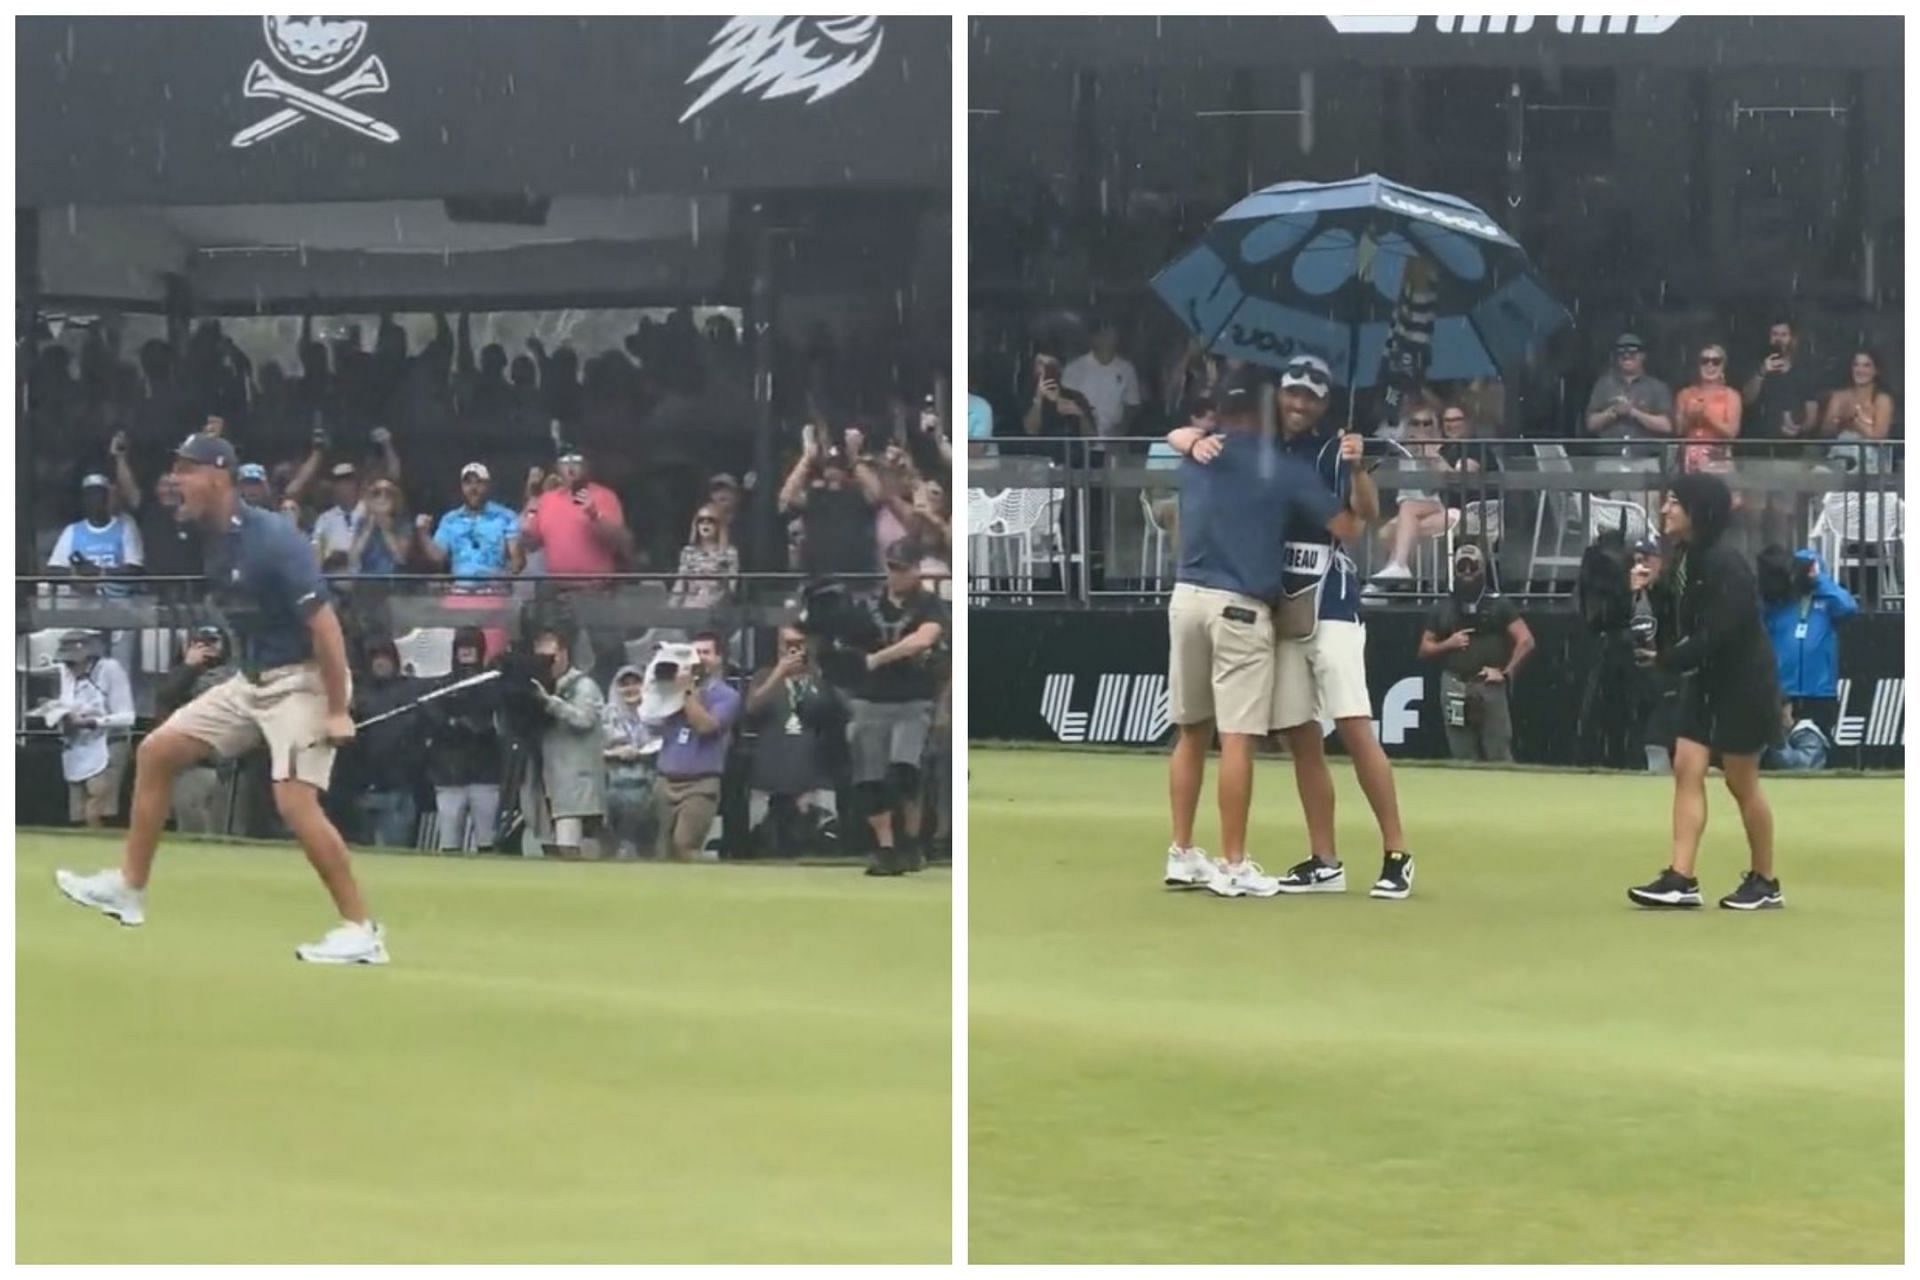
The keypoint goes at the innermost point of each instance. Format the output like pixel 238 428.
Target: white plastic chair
pixel 1025 523
pixel 426 653
pixel 1584 515
pixel 1860 532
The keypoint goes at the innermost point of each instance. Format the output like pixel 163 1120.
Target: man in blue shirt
pixel 480 539
pixel 1321 663
pixel 1237 503
pixel 293 693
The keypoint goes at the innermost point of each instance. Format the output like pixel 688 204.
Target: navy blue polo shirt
pixel 1314 560
pixel 262 576
pixel 1235 512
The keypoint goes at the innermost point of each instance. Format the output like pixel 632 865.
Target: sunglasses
pixel 1713 359
pixel 1420 422
pixel 1626 351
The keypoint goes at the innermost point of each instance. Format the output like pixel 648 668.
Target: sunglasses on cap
pixel 1310 376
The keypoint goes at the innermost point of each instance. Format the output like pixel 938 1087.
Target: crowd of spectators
pixel 362 446
pixel 1767 409
pixel 525 482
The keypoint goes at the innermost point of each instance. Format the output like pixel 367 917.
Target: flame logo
pixel 779 57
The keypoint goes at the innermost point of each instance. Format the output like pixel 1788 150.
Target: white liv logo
pixel 315 47
pixel 779 57
pixel 1133 708
pixel 1372 25
pixel 1884 725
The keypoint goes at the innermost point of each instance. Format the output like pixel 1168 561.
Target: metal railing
pixel 147 619
pixel 1087 522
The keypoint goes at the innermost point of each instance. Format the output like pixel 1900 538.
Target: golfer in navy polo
pixel 292 693
pixel 1320 670
pixel 1235 512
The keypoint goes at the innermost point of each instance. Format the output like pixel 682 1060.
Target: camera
pixel 1605 588
pixel 844 627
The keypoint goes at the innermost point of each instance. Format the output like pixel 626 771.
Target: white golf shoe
pixel 1243 879
pixel 1189 869
pixel 347 944
pixel 106 892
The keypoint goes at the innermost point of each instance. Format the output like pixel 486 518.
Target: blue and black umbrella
pixel 1319 266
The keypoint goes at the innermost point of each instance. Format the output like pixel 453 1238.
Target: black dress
pixel 1729 696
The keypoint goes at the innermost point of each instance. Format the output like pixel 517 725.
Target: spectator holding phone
pixel 580 526
pixel 836 515
pixel 1055 412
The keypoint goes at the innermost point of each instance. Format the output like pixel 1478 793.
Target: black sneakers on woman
pixel 1668 889
pixel 1756 893
pixel 1396 877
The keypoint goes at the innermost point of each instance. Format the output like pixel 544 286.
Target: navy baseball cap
pixel 208 451
pixel 1239 391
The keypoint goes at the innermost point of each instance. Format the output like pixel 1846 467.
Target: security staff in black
pixel 292 693
pixel 1481 640
pixel 893 710
pixel 1729 700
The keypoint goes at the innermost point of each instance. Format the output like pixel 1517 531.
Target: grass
pixel 564 1063
pixel 1514 1066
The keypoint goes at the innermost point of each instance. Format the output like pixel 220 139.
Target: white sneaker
pixel 1242 879
pixel 1189 869
pixel 1393 573
pixel 347 944
pixel 105 892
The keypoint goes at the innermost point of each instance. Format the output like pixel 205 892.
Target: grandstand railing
pixel 1088 522
pixel 148 619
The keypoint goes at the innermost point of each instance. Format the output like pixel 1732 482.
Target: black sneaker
pixel 1314 876
pixel 1668 889
pixel 1396 877
pixel 885 862
pixel 1756 893
pixel 914 859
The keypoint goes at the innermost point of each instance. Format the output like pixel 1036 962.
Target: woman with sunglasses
pixel 1708 412
pixel 709 563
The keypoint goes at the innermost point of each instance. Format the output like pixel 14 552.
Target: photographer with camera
pixel 94 714
pixel 688 700
pixel 797 719
pixel 573 773
pixel 892 709
pixel 382 764
pixel 1480 640
pixel 463 748
pixel 1802 605
pixel 199 790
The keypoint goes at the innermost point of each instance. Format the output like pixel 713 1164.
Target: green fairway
pixel 563 1063
pixel 1513 1066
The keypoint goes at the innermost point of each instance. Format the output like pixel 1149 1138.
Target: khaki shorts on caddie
pixel 1322 677
pixel 286 709
pixel 1220 659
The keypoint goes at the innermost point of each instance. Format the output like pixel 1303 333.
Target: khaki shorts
pixel 287 710
pixel 1219 668
pixel 98 797
pixel 1322 677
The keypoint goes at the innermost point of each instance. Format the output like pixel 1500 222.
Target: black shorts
pixel 1734 722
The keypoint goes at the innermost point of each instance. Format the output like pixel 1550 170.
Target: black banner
pixel 202 111
pixel 1003 46
pixel 1062 675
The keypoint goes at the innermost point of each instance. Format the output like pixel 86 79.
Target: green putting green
pixel 1515 1065
pixel 563 1063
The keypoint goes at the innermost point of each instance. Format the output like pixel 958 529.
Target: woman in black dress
pixel 1708 601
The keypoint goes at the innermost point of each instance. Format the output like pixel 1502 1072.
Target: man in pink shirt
pixel 578 522
pixel 580 526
